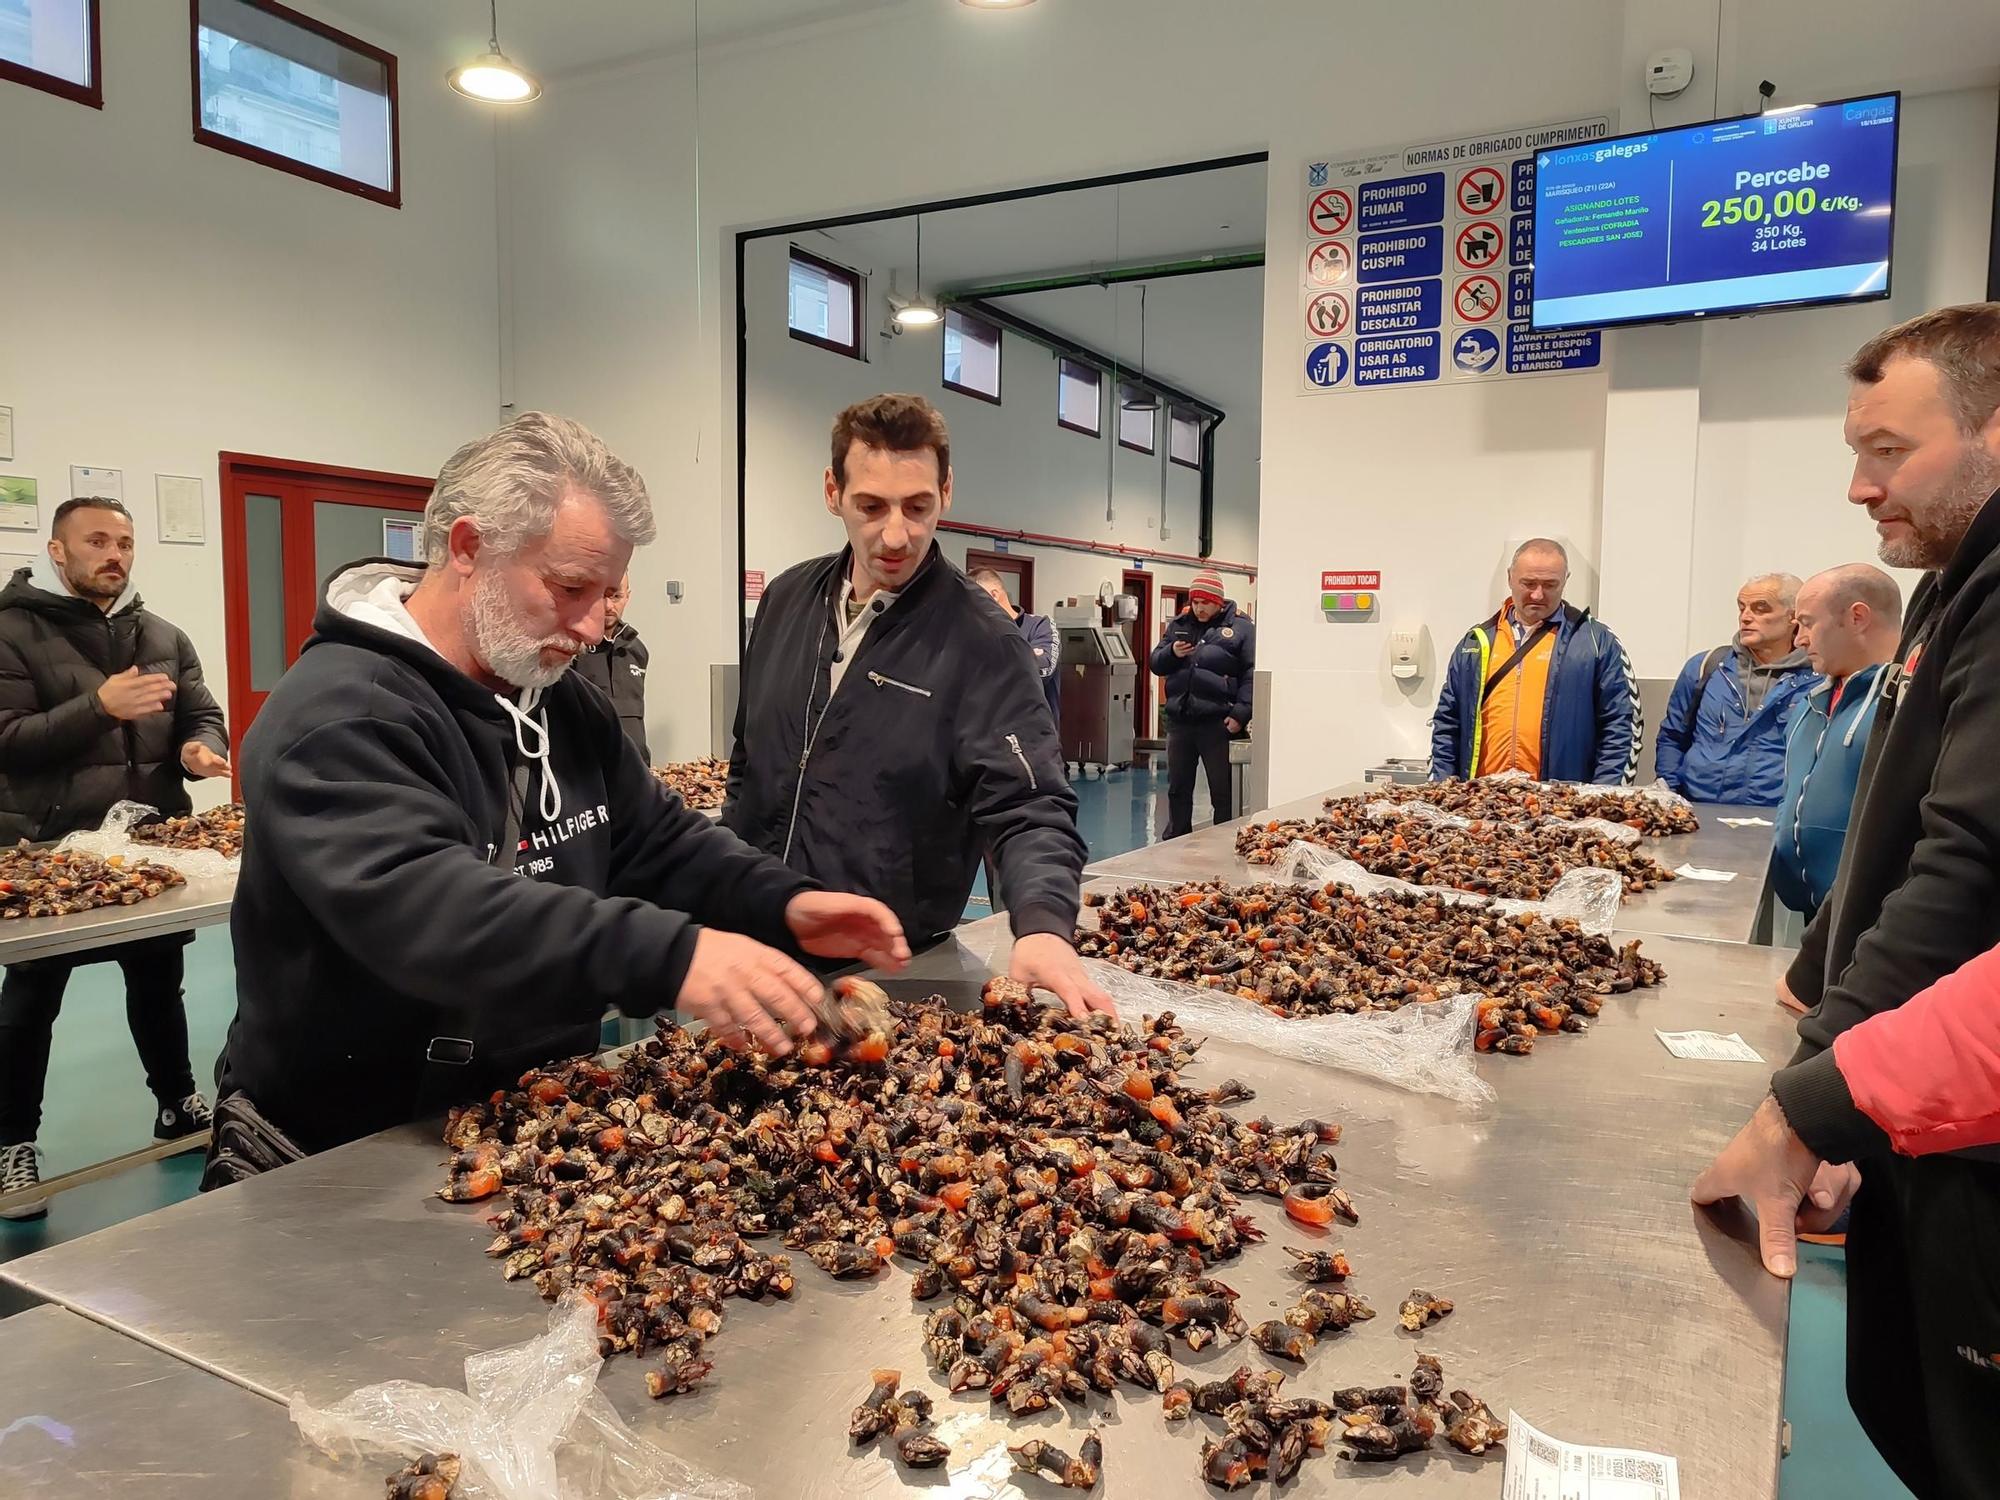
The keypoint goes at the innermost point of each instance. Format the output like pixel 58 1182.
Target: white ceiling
pixel 559 38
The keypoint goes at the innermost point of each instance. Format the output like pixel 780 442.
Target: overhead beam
pixel 1200 265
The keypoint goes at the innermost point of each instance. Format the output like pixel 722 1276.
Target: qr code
pixel 1541 1448
pixel 1631 1466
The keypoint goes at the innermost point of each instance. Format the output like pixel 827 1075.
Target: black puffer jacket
pixel 1213 683
pixel 63 759
pixel 616 667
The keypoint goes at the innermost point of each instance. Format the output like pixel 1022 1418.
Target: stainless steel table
pixel 1719 911
pixel 1590 1295
pixel 84 1411
pixel 200 903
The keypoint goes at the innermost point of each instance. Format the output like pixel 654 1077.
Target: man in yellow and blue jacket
pixel 1539 688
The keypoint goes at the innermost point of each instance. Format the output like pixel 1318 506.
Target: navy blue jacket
pixel 1214 682
pixel 1041 637
pixel 1723 753
pixel 1590 718
pixel 1822 766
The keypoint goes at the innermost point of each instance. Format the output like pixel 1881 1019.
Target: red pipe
pixel 1102 549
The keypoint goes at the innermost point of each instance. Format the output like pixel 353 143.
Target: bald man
pixel 1723 737
pixel 1848 621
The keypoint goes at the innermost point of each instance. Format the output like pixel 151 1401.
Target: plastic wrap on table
pixel 1425 812
pixel 1588 896
pixel 529 1425
pixel 1657 791
pixel 112 839
pixel 1423 1049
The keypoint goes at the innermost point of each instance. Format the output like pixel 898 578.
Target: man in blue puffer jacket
pixel 1206 658
pixel 1849 619
pixel 1723 737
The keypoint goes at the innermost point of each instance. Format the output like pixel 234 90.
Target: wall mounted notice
pixel 1418 265
pixel 103 484
pixel 182 516
pixel 6 434
pixel 20 507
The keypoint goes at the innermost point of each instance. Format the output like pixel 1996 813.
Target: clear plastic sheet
pixel 529 1425
pixel 1423 1048
pixel 1588 896
pixel 1425 812
pixel 113 839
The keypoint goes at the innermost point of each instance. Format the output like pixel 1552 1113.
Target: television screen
pixel 1785 209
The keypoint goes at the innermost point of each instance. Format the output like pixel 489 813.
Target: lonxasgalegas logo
pixel 1597 156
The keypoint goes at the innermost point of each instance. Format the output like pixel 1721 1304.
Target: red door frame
pixel 1142 649
pixel 297 485
pixel 1173 599
pixel 1021 567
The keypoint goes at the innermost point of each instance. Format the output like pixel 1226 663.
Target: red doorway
pixel 1018 571
pixel 1173 599
pixel 285 526
pixel 1139 585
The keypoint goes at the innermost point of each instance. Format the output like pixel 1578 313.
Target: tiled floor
pixel 98 1107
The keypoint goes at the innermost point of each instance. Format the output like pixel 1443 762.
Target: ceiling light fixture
pixel 996 4
pixel 491 78
pixel 917 313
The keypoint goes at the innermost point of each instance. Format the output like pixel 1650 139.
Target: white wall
pixel 1015 469
pixel 166 302
pixel 624 271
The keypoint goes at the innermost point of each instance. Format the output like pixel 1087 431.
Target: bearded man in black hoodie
pixel 454 861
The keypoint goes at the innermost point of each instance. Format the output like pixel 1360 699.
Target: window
pixel 971 356
pixel 1184 439
pixel 282 89
pixel 1136 417
pixel 52 45
pixel 824 302
pixel 1079 405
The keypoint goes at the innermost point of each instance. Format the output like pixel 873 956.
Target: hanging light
pixel 1141 398
pixel 996 4
pixel 491 78
pixel 917 313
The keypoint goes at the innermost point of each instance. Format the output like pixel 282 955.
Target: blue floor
pixel 98 1107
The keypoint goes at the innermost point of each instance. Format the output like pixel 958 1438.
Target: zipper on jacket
pixel 1014 744
pixel 881 682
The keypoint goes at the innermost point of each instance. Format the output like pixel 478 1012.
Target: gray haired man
pixel 454 861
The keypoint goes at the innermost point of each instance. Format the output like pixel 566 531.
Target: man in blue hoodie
pixel 1849 619
pixel 1723 736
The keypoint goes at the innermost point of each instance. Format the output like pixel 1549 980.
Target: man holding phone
pixel 1207 659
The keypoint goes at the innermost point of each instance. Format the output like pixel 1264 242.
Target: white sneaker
pixel 18 1173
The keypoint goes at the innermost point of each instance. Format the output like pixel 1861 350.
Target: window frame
pixel 89 94
pixel 999 358
pixel 1175 413
pixel 856 284
pixel 391 196
pixel 1151 450
pixel 1063 362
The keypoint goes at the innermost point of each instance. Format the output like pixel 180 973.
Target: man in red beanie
pixel 1206 659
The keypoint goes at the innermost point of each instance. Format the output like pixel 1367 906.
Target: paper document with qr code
pixel 1540 1467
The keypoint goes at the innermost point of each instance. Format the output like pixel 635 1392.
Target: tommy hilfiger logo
pixel 567 829
pixel 1973 1357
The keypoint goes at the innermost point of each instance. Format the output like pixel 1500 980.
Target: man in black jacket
pixel 1207 657
pixel 616 667
pixel 101 701
pixel 453 860
pixel 1917 895
pixel 891 723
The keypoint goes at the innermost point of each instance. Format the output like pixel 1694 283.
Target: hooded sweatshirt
pixel 63 759
pixel 379 923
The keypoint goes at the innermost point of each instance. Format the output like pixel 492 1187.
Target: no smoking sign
pixel 1328 314
pixel 1331 212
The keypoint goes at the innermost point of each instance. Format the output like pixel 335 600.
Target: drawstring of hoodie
pixel 531 738
pixel 1875 690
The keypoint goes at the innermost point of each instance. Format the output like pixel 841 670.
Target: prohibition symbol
pixel 1480 190
pixel 1331 262
pixel 1327 315
pixel 1331 212
pixel 1480 244
pixel 1477 299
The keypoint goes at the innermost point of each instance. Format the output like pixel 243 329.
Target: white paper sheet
pixel 1698 872
pixel 183 517
pixel 1744 822
pixel 1540 1467
pixel 1708 1046
pixel 108 484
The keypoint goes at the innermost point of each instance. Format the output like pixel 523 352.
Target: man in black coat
pixel 1207 658
pixel 101 701
pixel 891 724
pixel 616 666
pixel 1917 895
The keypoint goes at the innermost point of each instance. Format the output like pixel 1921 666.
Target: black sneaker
pixel 189 1117
pixel 18 1173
